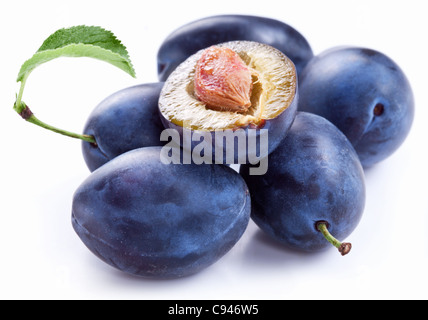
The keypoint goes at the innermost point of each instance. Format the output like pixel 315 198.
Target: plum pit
pixel 223 81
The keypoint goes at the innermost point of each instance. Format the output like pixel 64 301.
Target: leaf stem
pixel 344 248
pixel 19 106
pixel 24 111
pixel 27 115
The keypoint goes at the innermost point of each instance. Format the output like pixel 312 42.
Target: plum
pixel 155 220
pixel 365 94
pixel 314 180
pixel 126 120
pixel 219 73
pixel 208 31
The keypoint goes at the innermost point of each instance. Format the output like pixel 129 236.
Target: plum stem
pixel 27 115
pixel 344 248
pixel 24 111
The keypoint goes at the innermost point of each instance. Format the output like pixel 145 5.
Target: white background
pixel 41 256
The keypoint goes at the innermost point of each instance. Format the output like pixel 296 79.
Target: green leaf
pixel 80 41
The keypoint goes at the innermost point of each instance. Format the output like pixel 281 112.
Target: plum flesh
pixel 313 176
pixel 154 220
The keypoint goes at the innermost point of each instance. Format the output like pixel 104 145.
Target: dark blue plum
pixel 155 220
pixel 313 176
pixel 126 120
pixel 203 33
pixel 365 94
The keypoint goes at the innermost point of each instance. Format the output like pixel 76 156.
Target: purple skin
pixel 365 94
pixel 160 221
pixel 209 31
pixel 277 129
pixel 126 120
pixel 313 176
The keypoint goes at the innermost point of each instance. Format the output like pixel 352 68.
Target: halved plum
pixel 273 100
